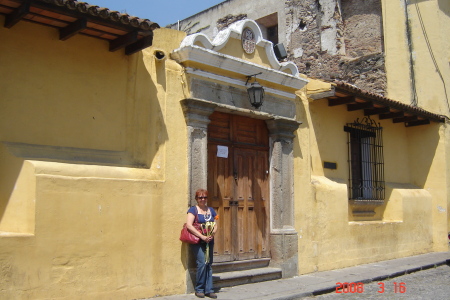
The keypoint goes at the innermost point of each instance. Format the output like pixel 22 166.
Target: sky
pixel 163 12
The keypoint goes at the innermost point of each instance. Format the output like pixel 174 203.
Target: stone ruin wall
pixel 327 39
pixel 338 40
pixel 364 45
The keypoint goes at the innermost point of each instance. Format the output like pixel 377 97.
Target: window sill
pixel 365 208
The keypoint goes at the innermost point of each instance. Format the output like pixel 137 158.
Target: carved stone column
pixel 283 237
pixel 197 114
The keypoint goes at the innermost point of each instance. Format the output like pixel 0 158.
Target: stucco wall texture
pixel 85 202
pixel 94 146
pixel 411 220
pixel 417 63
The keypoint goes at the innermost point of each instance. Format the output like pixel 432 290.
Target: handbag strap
pixel 196 215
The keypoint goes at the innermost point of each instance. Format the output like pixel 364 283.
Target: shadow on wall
pixel 141 121
pixel 422 152
pixel 145 133
pixel 327 126
pixel 302 117
pixel 424 141
pixel 154 132
pixel 444 5
pixel 9 173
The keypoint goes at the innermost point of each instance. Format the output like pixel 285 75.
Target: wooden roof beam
pixel 390 115
pixel 72 29
pixel 418 122
pixel 145 42
pixel 404 119
pixel 376 111
pixel 17 15
pixel 322 95
pixel 123 41
pixel 340 101
pixel 359 105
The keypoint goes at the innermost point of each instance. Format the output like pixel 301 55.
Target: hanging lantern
pixel 255 93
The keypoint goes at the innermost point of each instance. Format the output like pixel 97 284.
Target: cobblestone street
pixel 428 284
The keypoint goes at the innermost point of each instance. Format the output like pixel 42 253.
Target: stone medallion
pixel 248 40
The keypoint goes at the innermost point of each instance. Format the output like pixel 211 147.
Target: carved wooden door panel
pixel 238 186
pixel 220 195
pixel 250 194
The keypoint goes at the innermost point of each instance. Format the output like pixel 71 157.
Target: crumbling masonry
pixel 327 39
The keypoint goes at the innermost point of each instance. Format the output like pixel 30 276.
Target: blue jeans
pixel 204 280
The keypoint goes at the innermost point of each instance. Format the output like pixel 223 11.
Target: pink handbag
pixel 187 237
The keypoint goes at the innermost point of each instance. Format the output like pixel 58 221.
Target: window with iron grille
pixel 365 157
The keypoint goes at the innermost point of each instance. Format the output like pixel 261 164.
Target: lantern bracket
pixel 250 77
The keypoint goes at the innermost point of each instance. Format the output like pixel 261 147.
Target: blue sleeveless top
pixel 203 218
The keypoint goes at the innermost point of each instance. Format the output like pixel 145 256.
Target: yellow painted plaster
pixel 396 51
pixel 91 229
pixel 412 219
pixel 109 230
pixel 429 26
pixel 18 185
pixel 317 86
pixel 429 22
pixel 234 48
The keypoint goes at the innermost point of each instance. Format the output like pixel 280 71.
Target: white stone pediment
pixel 200 49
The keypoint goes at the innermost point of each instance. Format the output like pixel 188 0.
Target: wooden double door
pixel 238 186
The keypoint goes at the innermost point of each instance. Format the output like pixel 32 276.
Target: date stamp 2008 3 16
pixel 358 287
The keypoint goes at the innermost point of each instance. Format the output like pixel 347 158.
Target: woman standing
pixel 203 214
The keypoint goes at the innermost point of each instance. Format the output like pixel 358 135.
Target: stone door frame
pixel 283 237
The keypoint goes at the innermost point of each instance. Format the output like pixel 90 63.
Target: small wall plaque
pixel 330 165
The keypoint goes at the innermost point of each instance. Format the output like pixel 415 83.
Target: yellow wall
pixel 429 26
pixel 413 219
pixel 90 223
pixel 429 23
pixel 94 170
pixel 234 48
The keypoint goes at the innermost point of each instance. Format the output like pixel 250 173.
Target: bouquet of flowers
pixel 208 230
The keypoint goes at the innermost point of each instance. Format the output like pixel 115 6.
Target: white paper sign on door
pixel 222 151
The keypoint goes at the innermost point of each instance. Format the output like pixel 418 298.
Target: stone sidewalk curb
pixel 324 282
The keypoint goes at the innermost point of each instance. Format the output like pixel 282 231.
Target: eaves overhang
pixel 354 98
pixel 75 17
pixel 211 58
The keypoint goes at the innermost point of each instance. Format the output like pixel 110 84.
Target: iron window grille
pixel 365 160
